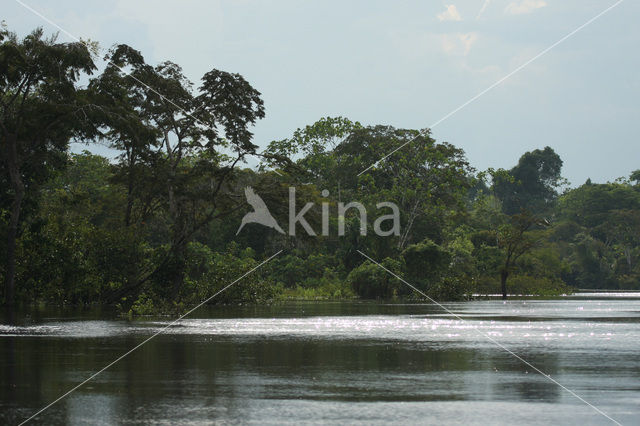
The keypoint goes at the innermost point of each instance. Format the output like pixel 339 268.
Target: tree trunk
pixel 10 269
pixel 504 274
pixel 16 207
pixel 127 214
pixel 130 186
pixel 178 275
pixel 177 228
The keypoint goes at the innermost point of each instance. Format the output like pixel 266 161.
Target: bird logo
pixel 260 213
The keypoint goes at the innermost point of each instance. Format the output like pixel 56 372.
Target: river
pixel 326 362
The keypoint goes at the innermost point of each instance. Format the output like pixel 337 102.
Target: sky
pixel 403 63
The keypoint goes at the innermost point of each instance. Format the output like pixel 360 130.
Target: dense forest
pixel 156 227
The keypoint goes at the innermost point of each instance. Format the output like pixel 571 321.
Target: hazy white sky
pixel 403 63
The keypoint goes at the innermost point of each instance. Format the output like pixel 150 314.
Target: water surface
pixel 352 362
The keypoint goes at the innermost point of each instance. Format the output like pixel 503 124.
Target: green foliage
pixel 532 184
pixel 601 235
pixel 590 205
pixel 451 288
pixel 155 229
pixel 426 263
pixel 77 251
pixel 42 107
pixel 369 281
pixel 209 272
pixel 143 306
pixel 326 289
pixel 526 285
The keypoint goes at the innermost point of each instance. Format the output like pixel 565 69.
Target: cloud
pixel 484 7
pixel 451 14
pixel 459 43
pixel 524 6
pixel 467 40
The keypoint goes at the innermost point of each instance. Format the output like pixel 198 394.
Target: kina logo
pixel 263 216
pixel 260 213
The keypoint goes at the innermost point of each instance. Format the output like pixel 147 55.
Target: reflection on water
pixel 330 362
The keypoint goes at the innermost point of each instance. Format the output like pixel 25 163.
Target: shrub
pixel 370 281
pixel 426 263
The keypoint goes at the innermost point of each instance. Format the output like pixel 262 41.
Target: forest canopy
pixel 155 227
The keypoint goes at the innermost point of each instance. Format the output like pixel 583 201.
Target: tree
pixel 426 179
pixel 590 205
pixel 42 108
pixel 370 281
pixel 172 138
pixel 426 263
pixel 622 231
pixel 317 143
pixel 127 120
pixel 533 184
pixel 75 248
pixel 515 239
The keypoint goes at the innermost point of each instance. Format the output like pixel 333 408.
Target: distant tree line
pixel 155 228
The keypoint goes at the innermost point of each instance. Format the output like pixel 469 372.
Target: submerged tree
pixel 42 108
pixel 516 239
pixel 180 145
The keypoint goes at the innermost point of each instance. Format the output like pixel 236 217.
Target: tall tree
pixel 42 108
pixel 127 122
pixel 533 184
pixel 426 179
pixel 180 144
